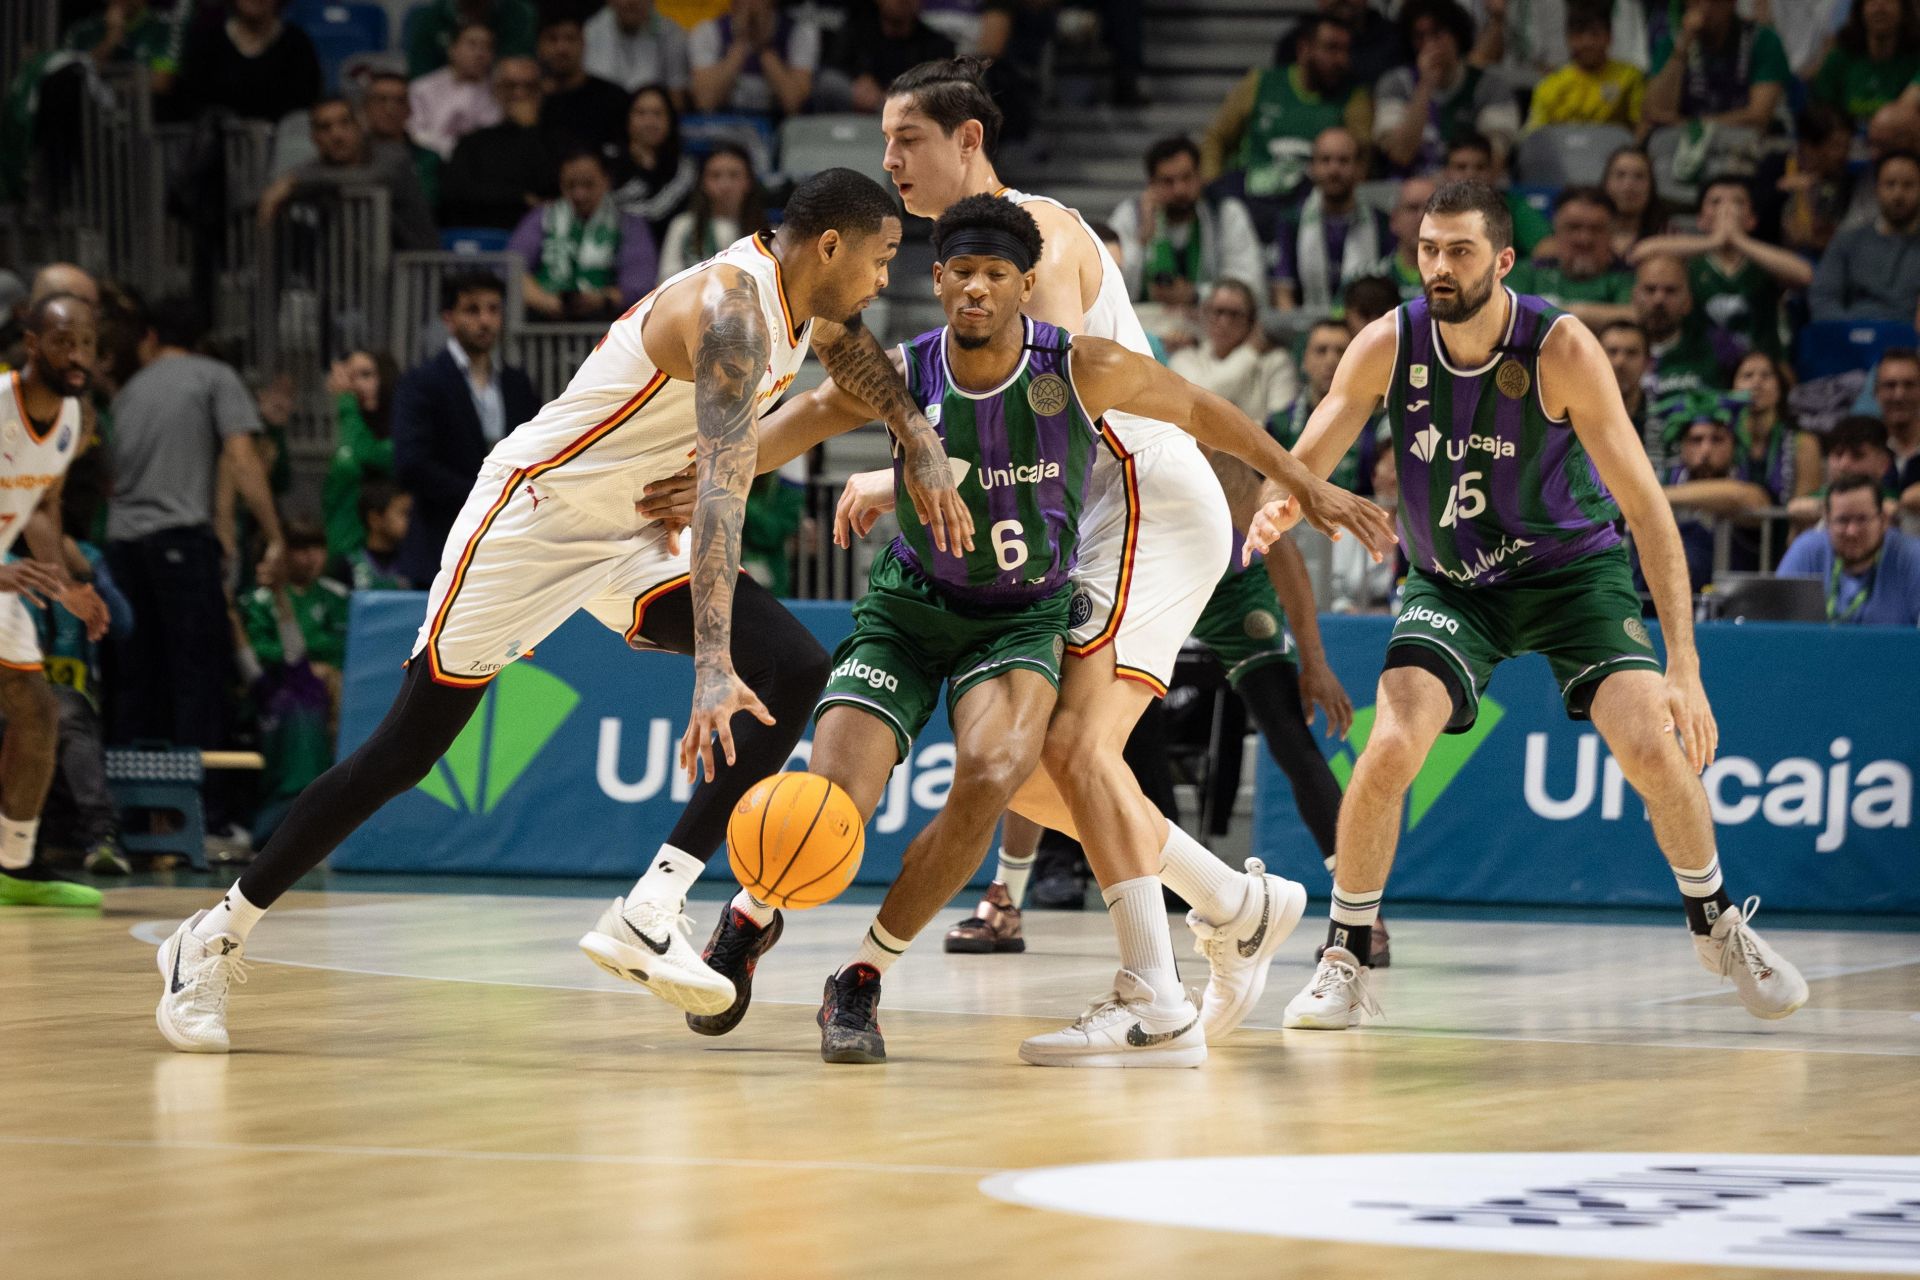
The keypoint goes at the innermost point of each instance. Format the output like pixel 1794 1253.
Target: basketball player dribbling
pixel 1517 461
pixel 550 529
pixel 1155 540
pixel 1022 408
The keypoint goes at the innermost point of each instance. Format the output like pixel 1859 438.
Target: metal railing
pixel 28 28
pixel 549 353
pixel 415 332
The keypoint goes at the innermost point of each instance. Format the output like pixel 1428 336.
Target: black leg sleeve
pixel 782 663
pixel 422 723
pixel 1272 694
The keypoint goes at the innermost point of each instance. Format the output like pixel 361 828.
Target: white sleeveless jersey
pixel 1111 316
pixel 29 463
pixel 621 423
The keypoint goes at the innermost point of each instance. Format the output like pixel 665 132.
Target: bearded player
pixel 1517 461
pixel 550 530
pixel 40 433
pixel 1023 409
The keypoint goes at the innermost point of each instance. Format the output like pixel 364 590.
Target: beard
pixel 971 341
pixel 1465 303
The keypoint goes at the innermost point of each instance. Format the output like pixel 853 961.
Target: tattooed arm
pixel 728 352
pixel 858 366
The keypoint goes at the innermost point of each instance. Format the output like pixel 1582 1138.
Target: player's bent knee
pixel 993 773
pixel 1390 759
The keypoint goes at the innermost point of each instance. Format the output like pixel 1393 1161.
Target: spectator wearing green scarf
pixel 585 259
pixel 363 450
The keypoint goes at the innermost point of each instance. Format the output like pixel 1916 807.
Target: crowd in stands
pixel 1766 178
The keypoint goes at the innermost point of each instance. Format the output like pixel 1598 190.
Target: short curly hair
pixel 992 212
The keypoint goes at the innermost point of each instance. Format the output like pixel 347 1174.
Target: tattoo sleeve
pixel 857 365
pixel 726 372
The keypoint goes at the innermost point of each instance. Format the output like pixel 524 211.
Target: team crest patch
pixel 1080 610
pixel 1059 649
pixel 1512 379
pixel 933 415
pixel 1637 632
pixel 1417 376
pixel 1047 394
pixel 1261 625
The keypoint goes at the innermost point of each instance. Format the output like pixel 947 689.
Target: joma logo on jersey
pixel 773 392
pixel 1000 477
pixel 874 677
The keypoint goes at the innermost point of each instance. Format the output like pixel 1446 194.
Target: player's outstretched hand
pixel 1319 687
pixel 1692 718
pixel 1329 508
pixel 867 497
pixel 33 580
pixel 936 499
pixel 718 695
pixel 84 603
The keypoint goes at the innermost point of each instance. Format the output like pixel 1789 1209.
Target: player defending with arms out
pixel 39 435
pixel 1154 540
pixel 1021 406
pixel 1517 460
pixel 550 529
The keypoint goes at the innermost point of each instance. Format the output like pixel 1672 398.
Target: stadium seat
pixel 340 30
pixel 1828 347
pixel 470 240
pixel 809 144
pixel 1565 155
pixel 699 134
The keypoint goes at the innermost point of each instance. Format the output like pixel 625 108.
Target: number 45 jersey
pixel 1492 488
pixel 1021 454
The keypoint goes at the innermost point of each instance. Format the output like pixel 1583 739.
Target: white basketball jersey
pixel 30 463
pixel 621 423
pixel 1111 316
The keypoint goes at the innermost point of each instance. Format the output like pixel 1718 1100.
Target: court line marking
pixel 155 932
pixel 1814 975
pixel 502 1157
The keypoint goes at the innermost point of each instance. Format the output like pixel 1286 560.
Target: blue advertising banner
pixel 568 767
pixel 1812 792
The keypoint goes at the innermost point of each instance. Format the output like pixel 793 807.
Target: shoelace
pixel 210 991
pixel 733 945
pixel 1209 937
pixel 1741 943
pixel 1105 1007
pixel 858 1001
pixel 1332 973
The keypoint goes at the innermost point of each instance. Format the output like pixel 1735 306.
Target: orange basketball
pixel 795 840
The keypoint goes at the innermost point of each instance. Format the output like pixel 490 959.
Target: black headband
pixel 987 242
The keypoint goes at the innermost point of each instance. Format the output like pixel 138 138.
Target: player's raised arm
pixel 1577 382
pixel 855 362
pixel 1108 376
pixel 806 420
pixel 728 351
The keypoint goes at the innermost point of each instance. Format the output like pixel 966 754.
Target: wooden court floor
pixel 440 1085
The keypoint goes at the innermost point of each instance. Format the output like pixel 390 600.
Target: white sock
pixel 16 843
pixel 1704 883
pixel 1328 861
pixel 1146 947
pixel 1013 873
pixel 1213 889
pixel 233 918
pixel 668 879
pixel 754 909
pixel 879 949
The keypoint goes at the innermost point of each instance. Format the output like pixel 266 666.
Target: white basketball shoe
pixel 194 980
pixel 1767 982
pixel 1335 997
pixel 1124 1028
pixel 1239 951
pixel 650 943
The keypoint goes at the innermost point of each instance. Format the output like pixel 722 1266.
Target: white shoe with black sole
pixel 650 943
pixel 1125 1028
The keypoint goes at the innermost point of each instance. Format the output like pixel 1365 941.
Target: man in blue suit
pixel 449 412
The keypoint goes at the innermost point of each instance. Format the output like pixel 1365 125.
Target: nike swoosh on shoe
pixel 1140 1038
pixel 1251 945
pixel 658 948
